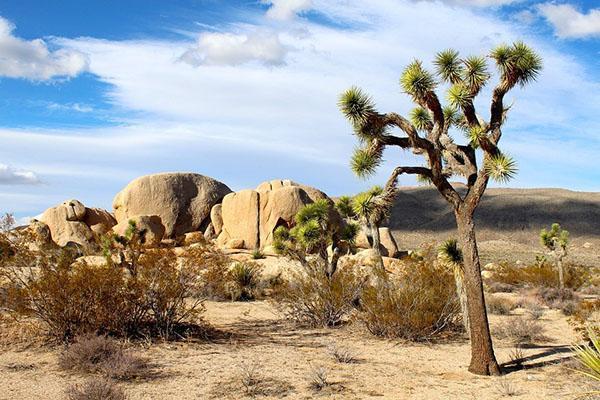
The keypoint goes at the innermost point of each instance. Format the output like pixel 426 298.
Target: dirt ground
pixel 282 359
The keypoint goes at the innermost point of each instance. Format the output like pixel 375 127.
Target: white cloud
pixel 12 176
pixel 77 107
pixel 235 49
pixel 570 22
pixel 477 3
pixel 285 10
pixel 33 60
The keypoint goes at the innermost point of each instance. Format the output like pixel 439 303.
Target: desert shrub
pixel 99 354
pixel 500 305
pixel 342 354
pixel 243 280
pixel 257 254
pixel 586 318
pixel 520 330
pixel 311 298
pixel 152 293
pixel 541 274
pixel 588 356
pixel 318 379
pixel 416 306
pixel 533 307
pixel 96 389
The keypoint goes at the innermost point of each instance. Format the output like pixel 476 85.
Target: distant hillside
pixel 505 218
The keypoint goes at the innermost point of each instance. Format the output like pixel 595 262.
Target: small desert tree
pixel 556 241
pixel 372 208
pixel 428 133
pixel 317 228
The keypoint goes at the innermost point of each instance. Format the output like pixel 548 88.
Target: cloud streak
pixel 12 176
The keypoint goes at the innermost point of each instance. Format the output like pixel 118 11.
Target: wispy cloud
pixel 77 107
pixel 13 176
pixel 286 10
pixel 569 22
pixel 31 59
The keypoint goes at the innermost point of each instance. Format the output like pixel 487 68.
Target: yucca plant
pixel 451 255
pixel 428 132
pixel 588 356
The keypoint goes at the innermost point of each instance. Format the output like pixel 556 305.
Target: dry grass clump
pixel 540 274
pixel 500 305
pixel 318 379
pixel 96 389
pixel 99 354
pixel 520 330
pixel 505 387
pixel 341 354
pixel 251 382
pixel 416 306
pixel 313 299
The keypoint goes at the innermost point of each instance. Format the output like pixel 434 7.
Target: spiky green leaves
pixel 344 206
pixel 452 116
pixel 476 74
pixel 459 96
pixel 518 64
pixel 500 167
pixel 450 253
pixel 449 66
pixel 356 106
pixel 589 355
pixel 365 162
pixel 554 238
pixel 475 134
pixel 317 211
pixel 421 119
pixel 349 232
pixel 417 81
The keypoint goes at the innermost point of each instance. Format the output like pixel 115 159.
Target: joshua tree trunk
pixel 561 272
pixel 483 360
pixel 461 292
pixel 377 245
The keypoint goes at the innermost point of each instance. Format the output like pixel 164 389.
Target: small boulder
pixel 100 221
pixel 193 237
pixel 235 244
pixel 149 226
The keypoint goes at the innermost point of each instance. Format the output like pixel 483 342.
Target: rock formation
pixel 183 201
pixel 247 219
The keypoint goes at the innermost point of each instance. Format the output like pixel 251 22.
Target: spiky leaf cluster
pixel 475 74
pixel 459 95
pixel 356 106
pixel 417 81
pixel 344 206
pixel 554 238
pixel 450 253
pixel 500 168
pixel 449 66
pixel 365 162
pixel 421 119
pixel 518 64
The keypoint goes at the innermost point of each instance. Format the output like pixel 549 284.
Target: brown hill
pixel 508 220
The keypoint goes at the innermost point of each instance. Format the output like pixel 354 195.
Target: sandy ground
pixel 284 359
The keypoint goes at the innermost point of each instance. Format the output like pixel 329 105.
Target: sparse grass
pixel 505 387
pixel 500 305
pixel 517 356
pixel 318 379
pixel 311 298
pixel 96 389
pixel 250 382
pixel 257 254
pixel 520 330
pixel 341 354
pixel 99 354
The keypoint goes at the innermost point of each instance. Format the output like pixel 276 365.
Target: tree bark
pixel 561 273
pixel 461 292
pixel 377 245
pixel 483 360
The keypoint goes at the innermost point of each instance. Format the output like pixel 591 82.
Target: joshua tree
pixel 556 241
pixel 372 208
pixel 316 229
pixel 427 133
pixel 451 255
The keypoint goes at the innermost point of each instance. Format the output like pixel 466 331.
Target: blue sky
pixel 96 93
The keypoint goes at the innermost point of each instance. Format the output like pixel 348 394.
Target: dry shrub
pixel 99 354
pixel 243 280
pixel 418 305
pixel 341 354
pixel 541 274
pixel 500 305
pixel 520 330
pixel 150 294
pixel 586 318
pixel 311 298
pixel 96 389
pixel 318 379
pixel 251 382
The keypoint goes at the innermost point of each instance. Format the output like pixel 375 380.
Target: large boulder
pixel 150 228
pixel 252 216
pixel 183 201
pixel 72 222
pixel 389 248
